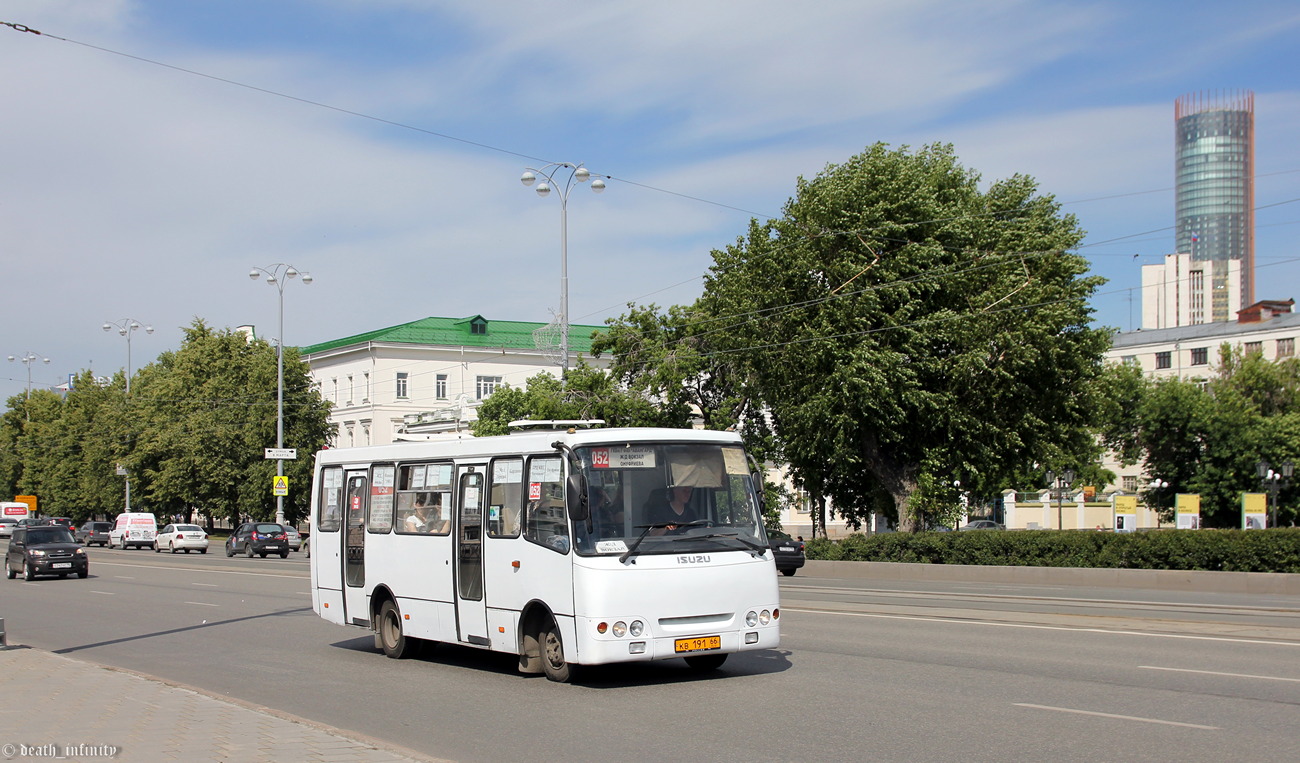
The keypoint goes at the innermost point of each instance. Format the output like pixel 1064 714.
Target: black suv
pixel 260 538
pixel 94 532
pixel 45 550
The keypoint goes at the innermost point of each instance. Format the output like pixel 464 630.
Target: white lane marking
pixel 1217 673
pixel 202 604
pixel 1029 626
pixel 105 593
pixel 208 585
pixel 1119 717
pixel 123 577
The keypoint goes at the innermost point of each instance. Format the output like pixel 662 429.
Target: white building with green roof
pixel 430 375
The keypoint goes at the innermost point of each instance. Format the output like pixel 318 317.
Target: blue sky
pixel 136 190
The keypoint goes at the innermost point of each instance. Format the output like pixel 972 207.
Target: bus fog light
pixel 751 618
pixel 602 627
pixel 637 628
pixel 765 618
pixel 751 638
pixel 620 628
pixel 776 614
pixel 636 647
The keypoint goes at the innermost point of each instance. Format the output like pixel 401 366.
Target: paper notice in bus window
pixel 623 458
pixel 545 469
pixel 471 497
pixel 534 491
pixel 417 477
pixel 610 547
pixel 734 458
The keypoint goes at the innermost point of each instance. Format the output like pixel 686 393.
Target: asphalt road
pixel 866 671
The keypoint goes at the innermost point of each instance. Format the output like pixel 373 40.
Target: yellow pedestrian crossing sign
pixel 279 485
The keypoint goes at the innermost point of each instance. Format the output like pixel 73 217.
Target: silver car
pixel 175 538
pixel 294 537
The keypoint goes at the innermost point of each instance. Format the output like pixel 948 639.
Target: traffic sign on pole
pixel 282 454
pixel 279 485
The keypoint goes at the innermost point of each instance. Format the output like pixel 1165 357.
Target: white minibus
pixel 565 546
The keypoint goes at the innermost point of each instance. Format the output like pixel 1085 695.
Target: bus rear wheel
pixel 391 638
pixel 553 663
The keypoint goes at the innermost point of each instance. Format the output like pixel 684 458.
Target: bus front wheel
pixel 391 639
pixel 553 663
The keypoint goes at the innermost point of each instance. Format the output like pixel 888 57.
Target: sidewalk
pixel 55 706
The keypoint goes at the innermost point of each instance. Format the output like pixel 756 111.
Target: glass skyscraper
pixel 1215 188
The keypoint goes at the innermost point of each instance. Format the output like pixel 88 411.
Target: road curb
pixel 1270 583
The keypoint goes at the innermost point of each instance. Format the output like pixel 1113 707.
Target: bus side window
pixel 329 515
pixel 545 522
pixel 505 497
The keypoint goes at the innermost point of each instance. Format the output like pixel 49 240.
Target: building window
pixel 1130 360
pixel 365 385
pixel 352 390
pixel 1254 347
pixel 1164 360
pixel 1285 348
pixel 485 386
pixel 440 387
pixel 1129 484
pixel 334 396
pixel 401 385
pixel 1200 356
pixel 478 326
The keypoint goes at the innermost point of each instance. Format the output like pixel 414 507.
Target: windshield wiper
pixel 755 550
pixel 636 543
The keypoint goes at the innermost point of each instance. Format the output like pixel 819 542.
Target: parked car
pixel 259 538
pixel 787 552
pixel 983 524
pixel 93 532
pixel 7 525
pixel 185 538
pixel 45 550
pixel 294 537
pixel 306 545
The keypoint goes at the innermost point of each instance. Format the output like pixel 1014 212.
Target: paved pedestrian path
pixel 53 706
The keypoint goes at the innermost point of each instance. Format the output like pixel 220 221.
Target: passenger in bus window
pixel 421 521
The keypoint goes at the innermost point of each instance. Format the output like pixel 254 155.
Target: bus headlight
pixel 765 617
pixel 620 629
pixel 637 628
pixel 751 618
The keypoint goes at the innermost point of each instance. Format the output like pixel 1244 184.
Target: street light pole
pixel 27 359
pixel 1062 480
pixel 277 275
pixel 126 327
pixel 577 174
pixel 1274 481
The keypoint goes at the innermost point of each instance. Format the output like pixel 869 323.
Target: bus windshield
pixel 668 498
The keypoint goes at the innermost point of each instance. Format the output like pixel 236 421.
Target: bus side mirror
pixel 575 498
pixel 757 477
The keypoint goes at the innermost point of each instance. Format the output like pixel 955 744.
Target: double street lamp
pixel 27 359
pixel 1062 481
pixel 278 275
pixel 126 327
pixel 1273 482
pixel 577 174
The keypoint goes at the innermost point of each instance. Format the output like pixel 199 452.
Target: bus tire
pixel 390 636
pixel 705 662
pixel 553 663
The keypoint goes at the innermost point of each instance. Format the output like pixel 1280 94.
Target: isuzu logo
pixel 696 559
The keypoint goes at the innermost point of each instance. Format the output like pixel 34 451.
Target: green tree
pixel 904 328
pixel 587 393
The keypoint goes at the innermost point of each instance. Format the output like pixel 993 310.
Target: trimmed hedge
pixel 1223 550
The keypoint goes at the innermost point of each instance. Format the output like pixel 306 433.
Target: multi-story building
pixel 1192 352
pixel 1215 189
pixel 429 375
pixel 1181 290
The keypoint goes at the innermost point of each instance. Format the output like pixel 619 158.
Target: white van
pixel 133 529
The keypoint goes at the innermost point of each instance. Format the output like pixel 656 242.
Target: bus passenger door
pixel 354 550
pixel 471 608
